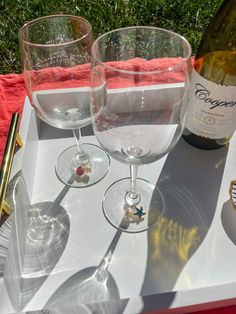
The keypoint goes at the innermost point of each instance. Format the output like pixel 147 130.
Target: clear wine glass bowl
pixel 140 77
pixel 56 52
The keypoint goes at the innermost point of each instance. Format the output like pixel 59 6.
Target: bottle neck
pixel 220 33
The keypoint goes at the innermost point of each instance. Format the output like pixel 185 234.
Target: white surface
pixel 192 251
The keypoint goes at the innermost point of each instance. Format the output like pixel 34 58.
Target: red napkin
pixel 12 95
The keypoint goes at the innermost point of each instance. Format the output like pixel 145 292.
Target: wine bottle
pixel 211 118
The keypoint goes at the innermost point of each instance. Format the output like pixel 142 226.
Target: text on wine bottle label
pixel 212 108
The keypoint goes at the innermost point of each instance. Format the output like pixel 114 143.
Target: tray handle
pixel 13 139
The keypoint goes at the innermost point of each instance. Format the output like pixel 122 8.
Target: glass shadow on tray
pixel 45 227
pixel 190 181
pixel 90 290
pixel 5 231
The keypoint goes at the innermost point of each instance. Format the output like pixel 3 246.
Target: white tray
pixel 185 263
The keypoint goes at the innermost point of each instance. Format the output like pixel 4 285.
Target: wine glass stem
pixel 81 157
pixel 132 198
pixel 133 176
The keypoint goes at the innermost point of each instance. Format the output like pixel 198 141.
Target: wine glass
pixel 140 77
pixel 56 53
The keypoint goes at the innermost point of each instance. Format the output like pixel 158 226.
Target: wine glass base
pixel 94 172
pixel 134 219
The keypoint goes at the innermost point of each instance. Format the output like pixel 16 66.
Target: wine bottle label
pixel 212 108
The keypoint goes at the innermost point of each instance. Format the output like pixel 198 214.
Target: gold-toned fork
pixel 13 139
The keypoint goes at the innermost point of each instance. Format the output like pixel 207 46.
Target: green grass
pixel 187 17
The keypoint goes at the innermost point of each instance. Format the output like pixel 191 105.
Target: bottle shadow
pixel 189 183
pixel 45 226
pixel 91 290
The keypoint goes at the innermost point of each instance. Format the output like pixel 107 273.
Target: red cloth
pixel 12 96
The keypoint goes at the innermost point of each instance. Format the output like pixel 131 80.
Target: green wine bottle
pixel 211 118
